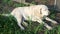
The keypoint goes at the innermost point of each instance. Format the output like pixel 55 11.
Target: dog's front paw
pixel 49 28
pixel 54 22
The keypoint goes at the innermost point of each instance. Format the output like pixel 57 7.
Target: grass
pixel 8 25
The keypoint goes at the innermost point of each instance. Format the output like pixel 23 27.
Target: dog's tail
pixel 5 14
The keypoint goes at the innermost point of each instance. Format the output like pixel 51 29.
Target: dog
pixel 35 12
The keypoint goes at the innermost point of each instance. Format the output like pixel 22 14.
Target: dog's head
pixel 44 10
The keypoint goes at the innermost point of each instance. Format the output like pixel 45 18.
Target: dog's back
pixel 31 11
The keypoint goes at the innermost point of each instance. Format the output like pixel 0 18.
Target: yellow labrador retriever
pixel 36 12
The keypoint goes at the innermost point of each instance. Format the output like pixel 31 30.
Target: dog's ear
pixel 41 11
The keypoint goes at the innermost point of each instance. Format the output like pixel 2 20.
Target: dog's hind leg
pixel 18 15
pixel 19 20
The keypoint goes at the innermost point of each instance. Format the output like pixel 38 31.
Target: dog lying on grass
pixel 36 13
